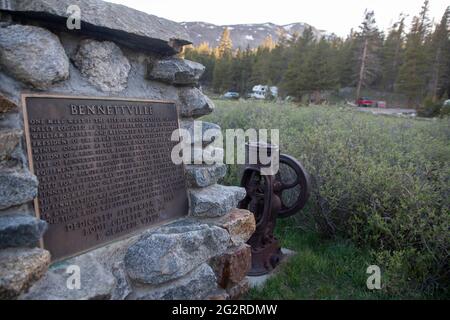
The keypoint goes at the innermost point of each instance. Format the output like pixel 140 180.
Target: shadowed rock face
pixel 109 21
pixel 20 230
pixel 16 187
pixel 176 71
pixel 205 175
pixel 194 103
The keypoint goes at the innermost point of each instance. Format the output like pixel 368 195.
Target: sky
pixel 337 16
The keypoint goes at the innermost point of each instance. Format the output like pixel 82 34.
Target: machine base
pixel 265 259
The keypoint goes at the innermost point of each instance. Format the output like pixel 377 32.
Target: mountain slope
pixel 243 35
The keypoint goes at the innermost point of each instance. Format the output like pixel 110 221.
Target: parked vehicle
pixel 371 103
pixel 365 102
pixel 381 104
pixel 231 95
pixel 262 92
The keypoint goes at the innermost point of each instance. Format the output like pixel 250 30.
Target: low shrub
pixel 430 108
pixel 445 110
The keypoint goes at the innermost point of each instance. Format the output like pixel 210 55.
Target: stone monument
pixel 91 207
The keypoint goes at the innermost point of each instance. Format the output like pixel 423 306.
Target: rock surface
pixel 103 64
pixel 232 267
pixel 194 103
pixel 19 269
pixel 96 283
pixel 214 201
pixel 16 187
pixel 236 292
pixel 33 55
pixel 195 286
pixel 20 230
pixel 200 131
pixel 239 223
pixel 176 71
pixel 123 288
pixel 205 175
pixel 218 295
pixel 6 104
pixel 113 21
pixel 77 84
pixel 173 251
pixel 9 140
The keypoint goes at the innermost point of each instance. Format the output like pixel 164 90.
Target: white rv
pixel 261 92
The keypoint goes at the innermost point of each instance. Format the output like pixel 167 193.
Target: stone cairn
pixel 124 53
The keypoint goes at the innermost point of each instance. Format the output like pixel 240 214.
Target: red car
pixel 366 102
pixel 369 103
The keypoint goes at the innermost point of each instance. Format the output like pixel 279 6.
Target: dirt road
pixel 390 111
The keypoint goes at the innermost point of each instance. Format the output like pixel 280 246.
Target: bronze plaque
pixel 104 168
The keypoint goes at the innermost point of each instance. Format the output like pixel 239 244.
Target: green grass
pixel 321 269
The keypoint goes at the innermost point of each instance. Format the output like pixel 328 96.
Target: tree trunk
pixel 395 63
pixel 435 78
pixel 362 70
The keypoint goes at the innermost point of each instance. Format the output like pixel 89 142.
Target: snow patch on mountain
pixel 243 35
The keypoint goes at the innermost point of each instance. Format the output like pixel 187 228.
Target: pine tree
pixel 392 54
pixel 225 44
pixel 278 62
pixel 368 43
pixel 269 63
pixel 246 70
pixel 291 84
pixel 223 75
pixel 204 49
pixel 413 73
pixel 440 57
pixel 345 60
pixel 268 43
pixel 318 71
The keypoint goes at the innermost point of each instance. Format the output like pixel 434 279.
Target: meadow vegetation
pixel 381 195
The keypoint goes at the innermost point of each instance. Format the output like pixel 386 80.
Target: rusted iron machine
pixel 270 197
